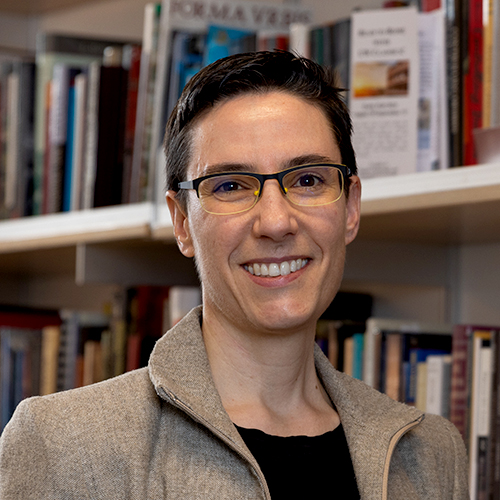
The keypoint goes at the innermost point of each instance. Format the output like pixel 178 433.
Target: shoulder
pixel 86 413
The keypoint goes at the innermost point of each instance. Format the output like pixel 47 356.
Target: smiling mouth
pixel 276 269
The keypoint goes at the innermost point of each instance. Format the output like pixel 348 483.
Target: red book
pixel 473 80
pixel 32 319
pixel 459 403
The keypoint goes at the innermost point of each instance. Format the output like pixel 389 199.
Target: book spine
pixel 454 79
pixel 495 420
pixel 459 374
pixel 393 366
pixel 133 53
pixel 91 135
pixel 78 176
pixel 70 150
pixel 488 49
pixel 473 80
pixel 58 122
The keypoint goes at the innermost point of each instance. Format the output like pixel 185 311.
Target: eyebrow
pixel 218 168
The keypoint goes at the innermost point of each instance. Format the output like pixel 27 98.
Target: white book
pixel 12 153
pixel 78 159
pixel 438 384
pixel 482 374
pixel 384 90
pixel 432 109
pixel 181 299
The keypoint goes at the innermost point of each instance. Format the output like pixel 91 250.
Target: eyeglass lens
pixel 236 192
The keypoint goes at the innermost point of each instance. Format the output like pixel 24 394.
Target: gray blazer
pixel 162 433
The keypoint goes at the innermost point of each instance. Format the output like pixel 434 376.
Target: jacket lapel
pixel 179 370
pixel 370 420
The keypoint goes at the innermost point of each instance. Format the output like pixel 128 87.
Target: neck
pixel 268 381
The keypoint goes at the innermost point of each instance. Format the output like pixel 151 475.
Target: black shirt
pixel 303 467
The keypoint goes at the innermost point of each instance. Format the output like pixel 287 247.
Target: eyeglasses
pixel 228 193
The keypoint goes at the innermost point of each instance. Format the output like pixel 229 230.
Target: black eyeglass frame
pixel 195 183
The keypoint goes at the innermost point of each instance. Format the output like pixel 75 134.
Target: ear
pixel 353 209
pixel 180 224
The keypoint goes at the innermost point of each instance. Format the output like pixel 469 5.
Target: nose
pixel 274 215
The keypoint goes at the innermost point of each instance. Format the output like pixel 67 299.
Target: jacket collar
pixel 180 372
pixel 371 422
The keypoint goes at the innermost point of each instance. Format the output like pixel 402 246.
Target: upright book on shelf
pixel 383 97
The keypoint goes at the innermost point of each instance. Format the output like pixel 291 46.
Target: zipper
pixel 169 396
pixel 392 445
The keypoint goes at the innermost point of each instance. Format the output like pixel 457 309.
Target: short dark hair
pixel 255 72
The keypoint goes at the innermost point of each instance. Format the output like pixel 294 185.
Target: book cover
pixel 383 97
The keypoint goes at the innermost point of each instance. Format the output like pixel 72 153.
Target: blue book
pixel 68 161
pixel 358 340
pixel 223 42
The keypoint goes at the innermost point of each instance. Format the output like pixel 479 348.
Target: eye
pixel 307 179
pixel 227 186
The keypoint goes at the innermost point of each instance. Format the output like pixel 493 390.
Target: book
pixel 472 102
pixel 461 371
pixel 108 181
pixel 20 358
pixel 52 49
pixel 433 135
pixel 454 43
pixel 16 137
pixel 480 410
pixel 438 385
pixel 140 177
pixel 77 164
pixel 383 97
pixel 132 63
pixel 49 359
pixel 223 42
pixel 494 27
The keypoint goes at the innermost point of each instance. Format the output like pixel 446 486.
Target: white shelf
pixel 424 190
pixel 455 206
pixel 122 222
pixel 460 205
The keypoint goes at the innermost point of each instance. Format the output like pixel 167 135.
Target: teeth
pixel 275 269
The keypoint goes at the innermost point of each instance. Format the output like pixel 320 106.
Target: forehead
pixel 261 131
